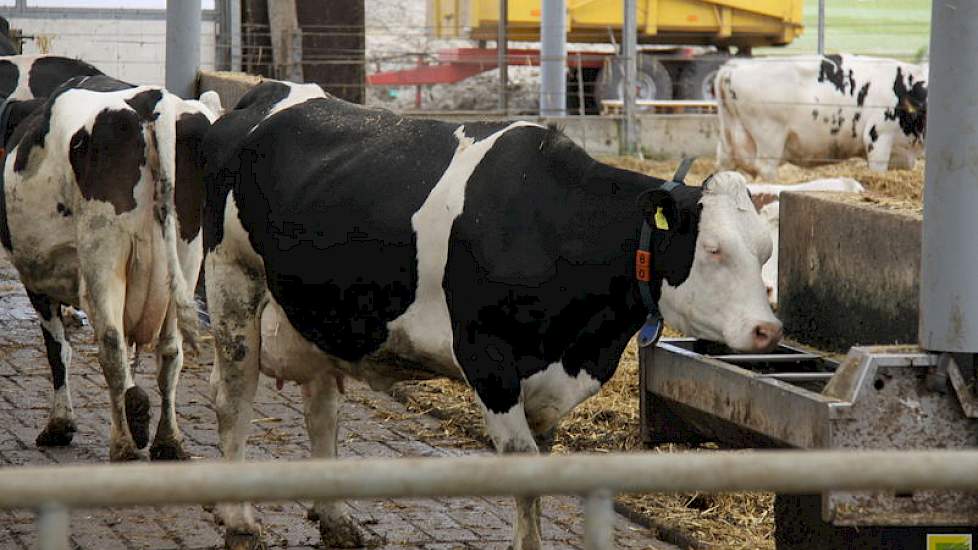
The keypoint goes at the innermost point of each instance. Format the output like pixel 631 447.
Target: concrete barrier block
pixel 849 270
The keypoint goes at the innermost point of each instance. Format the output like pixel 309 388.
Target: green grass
pixel 887 28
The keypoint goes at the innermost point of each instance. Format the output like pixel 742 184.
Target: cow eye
pixel 713 251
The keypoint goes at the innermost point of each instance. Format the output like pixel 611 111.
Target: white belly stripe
pixel 426 323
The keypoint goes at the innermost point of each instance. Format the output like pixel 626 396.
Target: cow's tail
pixel 165 129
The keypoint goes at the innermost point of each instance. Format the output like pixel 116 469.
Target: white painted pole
pixel 949 260
pixel 629 49
pixel 772 471
pixel 502 48
pixel 599 521
pixel 821 27
pixel 553 58
pixel 234 24
pixel 182 46
pixel 53 522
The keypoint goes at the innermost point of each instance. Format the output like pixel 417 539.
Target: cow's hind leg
pixel 61 427
pixel 234 296
pixel 168 442
pixel 322 396
pixel 104 277
pixel 511 433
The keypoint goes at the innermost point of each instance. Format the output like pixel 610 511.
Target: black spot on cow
pixel 189 190
pixel 861 98
pixel 48 309
pixel 855 120
pixel 873 134
pixel 15 112
pixel 42 304
pixel 814 114
pixel 911 105
pixel 64 210
pixel 9 74
pixel 144 103
pixel 852 83
pixel 304 182
pixel 4 227
pixel 49 72
pixel 107 162
pixel 831 71
pixel 836 122
pixel 221 163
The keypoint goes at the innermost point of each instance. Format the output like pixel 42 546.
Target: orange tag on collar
pixel 643 265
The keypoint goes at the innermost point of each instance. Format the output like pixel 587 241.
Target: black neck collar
pixel 649 283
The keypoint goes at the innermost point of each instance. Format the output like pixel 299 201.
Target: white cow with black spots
pixel 100 207
pixel 811 110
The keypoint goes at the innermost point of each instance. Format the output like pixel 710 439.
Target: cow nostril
pixel 766 335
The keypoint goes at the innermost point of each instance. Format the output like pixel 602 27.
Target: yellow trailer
pixel 741 23
pixel 678 72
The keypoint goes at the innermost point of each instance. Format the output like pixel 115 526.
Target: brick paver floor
pixel 372 424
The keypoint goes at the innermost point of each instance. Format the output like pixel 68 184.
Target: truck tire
pixel 654 81
pixel 696 79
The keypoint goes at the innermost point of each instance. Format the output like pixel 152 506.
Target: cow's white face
pixel 724 298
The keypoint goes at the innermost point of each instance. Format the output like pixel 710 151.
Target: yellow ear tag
pixel 660 220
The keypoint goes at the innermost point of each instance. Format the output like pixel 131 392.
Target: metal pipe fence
pixel 52 491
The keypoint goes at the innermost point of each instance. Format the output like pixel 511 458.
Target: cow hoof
pixel 58 433
pixel 347 533
pixel 137 415
pixel 124 453
pixel 170 449
pixel 244 541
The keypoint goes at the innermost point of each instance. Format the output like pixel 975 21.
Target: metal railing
pixel 53 491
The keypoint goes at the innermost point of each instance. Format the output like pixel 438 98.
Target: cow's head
pixel 911 104
pixel 710 256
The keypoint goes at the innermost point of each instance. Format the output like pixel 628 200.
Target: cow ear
pixel 659 209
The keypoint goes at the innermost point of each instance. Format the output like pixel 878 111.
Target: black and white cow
pixel 811 110
pixel 341 240
pixel 100 208
pixel 37 76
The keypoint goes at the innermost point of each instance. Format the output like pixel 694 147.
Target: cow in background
pixel 811 110
pixel 37 76
pixel 100 208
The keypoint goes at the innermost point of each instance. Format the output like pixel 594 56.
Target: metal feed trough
pixel 876 398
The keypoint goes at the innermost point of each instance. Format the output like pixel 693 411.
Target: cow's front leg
pixel 321 398
pixel 234 298
pixel 61 427
pixel 168 442
pixel 878 150
pixel 510 433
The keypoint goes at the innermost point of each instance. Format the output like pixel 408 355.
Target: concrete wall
pixel 849 271
pixel 661 136
pixel 127 46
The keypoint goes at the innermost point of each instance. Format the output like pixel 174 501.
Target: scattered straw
pixel 902 189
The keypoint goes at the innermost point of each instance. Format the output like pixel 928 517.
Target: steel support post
pixel 182 46
pixel 553 58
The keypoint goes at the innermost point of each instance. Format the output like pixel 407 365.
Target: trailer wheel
pixel 653 80
pixel 696 79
